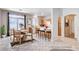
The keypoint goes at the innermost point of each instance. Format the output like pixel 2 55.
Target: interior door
pixel 69 26
pixel 59 26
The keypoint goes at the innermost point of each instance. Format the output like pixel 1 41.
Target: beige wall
pixel 3 19
pixel 0 21
pixel 0 18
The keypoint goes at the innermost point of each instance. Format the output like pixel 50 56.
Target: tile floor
pixel 41 45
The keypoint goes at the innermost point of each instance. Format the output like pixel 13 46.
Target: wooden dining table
pixel 23 31
pixel 26 33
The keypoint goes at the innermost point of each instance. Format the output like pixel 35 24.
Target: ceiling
pixel 33 11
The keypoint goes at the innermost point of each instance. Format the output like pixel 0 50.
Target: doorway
pixel 69 26
pixel 59 26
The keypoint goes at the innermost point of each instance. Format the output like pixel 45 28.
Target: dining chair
pixel 17 36
pixel 11 34
pixel 48 34
pixel 42 34
pixel 29 33
pixel 37 32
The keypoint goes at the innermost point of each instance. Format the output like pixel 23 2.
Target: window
pixel 16 22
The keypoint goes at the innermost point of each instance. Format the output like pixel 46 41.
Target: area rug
pixel 17 43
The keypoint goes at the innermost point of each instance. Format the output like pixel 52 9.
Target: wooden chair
pixel 37 32
pixel 11 34
pixel 17 36
pixel 48 34
pixel 30 33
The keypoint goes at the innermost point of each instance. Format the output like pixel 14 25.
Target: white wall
pixel 35 21
pixel 56 13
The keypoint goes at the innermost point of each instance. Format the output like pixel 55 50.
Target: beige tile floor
pixel 40 44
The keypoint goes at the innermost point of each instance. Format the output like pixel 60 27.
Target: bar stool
pixel 49 35
pixel 42 32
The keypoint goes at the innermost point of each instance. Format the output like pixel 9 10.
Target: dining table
pixel 26 33
pixel 23 31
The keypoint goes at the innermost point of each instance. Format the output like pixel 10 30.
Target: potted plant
pixel 2 31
